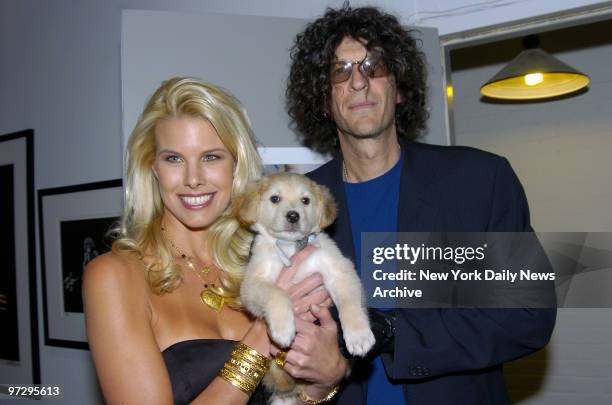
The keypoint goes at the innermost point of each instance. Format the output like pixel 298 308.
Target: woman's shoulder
pixel 116 285
pixel 117 271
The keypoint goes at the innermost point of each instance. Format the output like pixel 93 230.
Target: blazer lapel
pixel 344 238
pixel 417 209
pixel 341 232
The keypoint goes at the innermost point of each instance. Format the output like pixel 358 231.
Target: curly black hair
pixel 312 54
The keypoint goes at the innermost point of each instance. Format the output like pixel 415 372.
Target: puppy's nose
pixel 293 217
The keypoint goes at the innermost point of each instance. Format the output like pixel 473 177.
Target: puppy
pixel 288 211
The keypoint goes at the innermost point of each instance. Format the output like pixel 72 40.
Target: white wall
pixel 60 75
pixel 60 70
pixel 451 16
pixel 252 62
pixel 562 152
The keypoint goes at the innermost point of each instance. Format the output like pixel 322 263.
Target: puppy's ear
pixel 246 205
pixel 325 204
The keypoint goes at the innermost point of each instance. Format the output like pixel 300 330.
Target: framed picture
pixel 74 224
pixel 290 159
pixel 19 357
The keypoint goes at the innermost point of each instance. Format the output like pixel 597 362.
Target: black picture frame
pixel 73 224
pixel 19 350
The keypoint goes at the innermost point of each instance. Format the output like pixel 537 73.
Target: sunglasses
pixel 371 66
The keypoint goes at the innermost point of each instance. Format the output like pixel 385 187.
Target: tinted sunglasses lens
pixel 374 67
pixel 341 72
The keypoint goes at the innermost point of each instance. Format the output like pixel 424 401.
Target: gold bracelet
pixel 247 354
pixel 244 352
pixel 237 381
pixel 247 371
pixel 245 368
pixel 251 356
pixel 246 383
pixel 309 401
pixel 241 347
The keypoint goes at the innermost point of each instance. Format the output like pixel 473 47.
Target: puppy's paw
pixel 359 341
pixel 281 325
pixel 283 400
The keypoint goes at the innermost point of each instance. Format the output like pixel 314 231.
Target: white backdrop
pixel 247 55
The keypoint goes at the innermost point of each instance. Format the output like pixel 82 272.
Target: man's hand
pixel 314 355
pixel 307 292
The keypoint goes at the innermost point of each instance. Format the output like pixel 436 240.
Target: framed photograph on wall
pixel 74 223
pixel 290 159
pixel 19 357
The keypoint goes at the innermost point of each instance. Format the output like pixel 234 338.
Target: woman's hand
pixel 257 338
pixel 314 355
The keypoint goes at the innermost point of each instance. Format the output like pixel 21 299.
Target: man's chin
pixel 362 133
pixel 367 130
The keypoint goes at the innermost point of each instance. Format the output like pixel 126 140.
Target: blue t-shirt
pixel 372 207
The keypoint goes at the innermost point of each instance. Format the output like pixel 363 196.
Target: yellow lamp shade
pixel 534 74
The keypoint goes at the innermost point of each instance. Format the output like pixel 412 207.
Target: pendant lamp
pixel 534 74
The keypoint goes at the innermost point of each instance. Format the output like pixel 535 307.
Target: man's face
pixel 362 107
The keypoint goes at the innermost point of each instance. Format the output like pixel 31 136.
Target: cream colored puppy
pixel 288 211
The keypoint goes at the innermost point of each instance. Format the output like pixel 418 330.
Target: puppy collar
pixel 282 246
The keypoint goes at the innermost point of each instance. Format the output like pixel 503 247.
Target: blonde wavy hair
pixel 139 231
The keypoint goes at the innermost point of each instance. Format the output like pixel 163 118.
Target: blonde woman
pixel 163 320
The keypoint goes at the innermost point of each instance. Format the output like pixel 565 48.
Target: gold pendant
pixel 212 299
pixel 205 270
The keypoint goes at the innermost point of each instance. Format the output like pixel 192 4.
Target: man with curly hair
pixel 357 90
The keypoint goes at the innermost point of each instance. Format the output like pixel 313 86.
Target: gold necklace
pixel 208 296
pixel 204 270
pixel 345 172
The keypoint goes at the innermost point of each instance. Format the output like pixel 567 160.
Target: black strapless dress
pixel 193 364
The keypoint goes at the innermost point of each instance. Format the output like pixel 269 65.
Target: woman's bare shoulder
pixel 118 316
pixel 121 272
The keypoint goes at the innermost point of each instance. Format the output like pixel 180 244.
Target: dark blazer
pixel 450 356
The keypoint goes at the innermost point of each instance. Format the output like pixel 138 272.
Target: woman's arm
pixel 222 392
pixel 130 366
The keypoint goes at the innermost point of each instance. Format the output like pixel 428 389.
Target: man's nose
pixel 358 80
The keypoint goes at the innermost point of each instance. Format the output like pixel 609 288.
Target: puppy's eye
pixel 305 200
pixel 275 199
